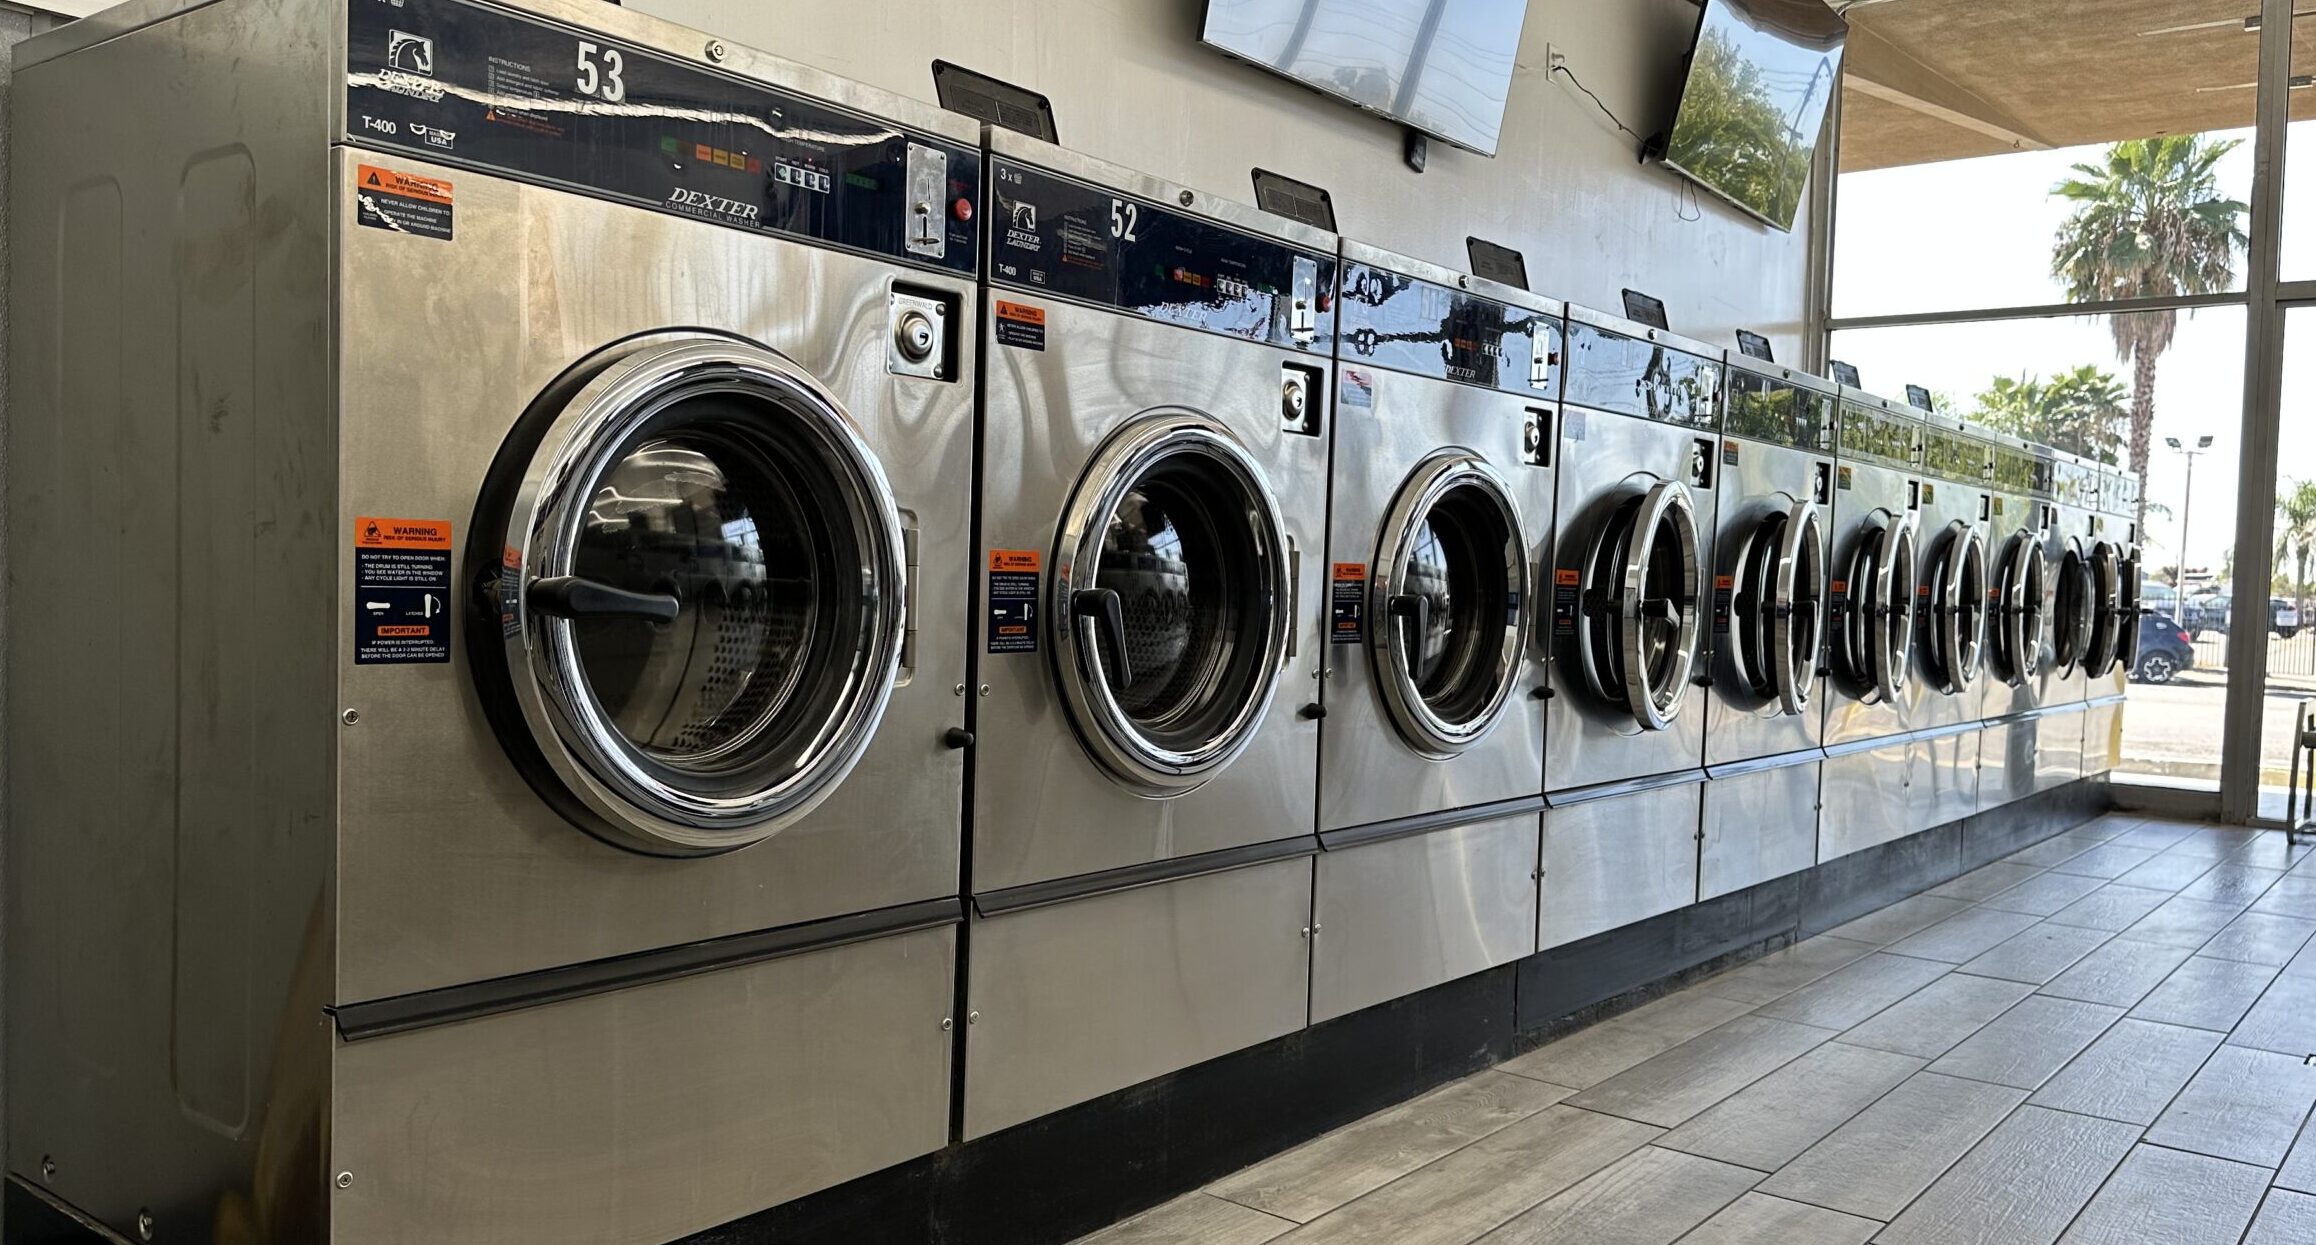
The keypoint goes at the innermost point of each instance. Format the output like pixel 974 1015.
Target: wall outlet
pixel 1554 60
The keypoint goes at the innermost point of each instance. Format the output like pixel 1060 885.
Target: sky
pixel 1977 233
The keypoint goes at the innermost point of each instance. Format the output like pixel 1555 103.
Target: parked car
pixel 2211 611
pixel 2164 649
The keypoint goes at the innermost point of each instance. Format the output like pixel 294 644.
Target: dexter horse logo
pixel 410 53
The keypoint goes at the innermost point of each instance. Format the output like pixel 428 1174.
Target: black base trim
pixel 1628 786
pixel 427 1008
pixel 1425 823
pixel 1133 877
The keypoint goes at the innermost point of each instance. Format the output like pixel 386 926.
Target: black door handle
pixel 1101 605
pixel 569 596
pixel 957 737
pixel 1416 608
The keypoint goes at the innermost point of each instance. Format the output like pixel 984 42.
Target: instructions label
pixel 401 591
pixel 1566 583
pixel 1019 325
pixel 385 199
pixel 1724 598
pixel 1347 603
pixel 1013 576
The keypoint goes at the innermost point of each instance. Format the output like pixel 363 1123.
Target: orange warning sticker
pixel 1566 578
pixel 372 533
pixel 407 185
pixel 1016 560
pixel 1724 582
pixel 1841 587
pixel 1351 570
pixel 1020 313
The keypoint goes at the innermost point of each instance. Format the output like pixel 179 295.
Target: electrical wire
pixel 1599 103
pixel 1687 209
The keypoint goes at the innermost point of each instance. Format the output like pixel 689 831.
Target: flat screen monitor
pixel 1755 104
pixel 1440 66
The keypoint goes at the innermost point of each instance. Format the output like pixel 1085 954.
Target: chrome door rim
pixel 2134 609
pixel 1891 639
pixel 1961 584
pixel 588 753
pixel 1855 638
pixel 1109 734
pixel 2071 649
pixel 1430 733
pixel 1654 703
pixel 2105 646
pixel 1750 635
pixel 1803 540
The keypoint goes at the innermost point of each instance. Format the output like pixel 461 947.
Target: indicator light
pixel 963 209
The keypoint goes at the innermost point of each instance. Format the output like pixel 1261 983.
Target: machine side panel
pixel 1614 861
pixel 1758 826
pixel 1406 914
pixel 172 481
pixel 1864 798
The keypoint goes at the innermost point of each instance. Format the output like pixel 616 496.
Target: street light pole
pixel 2186 508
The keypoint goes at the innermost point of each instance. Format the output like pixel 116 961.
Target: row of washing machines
pixel 796 630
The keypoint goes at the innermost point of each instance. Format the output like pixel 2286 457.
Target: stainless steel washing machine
pixel 2019 620
pixel 1153 493
pixel 1640 457
pixel 1764 711
pixel 2116 573
pixel 515 745
pixel 2070 550
pixel 1950 594
pixel 1872 694
pixel 1431 753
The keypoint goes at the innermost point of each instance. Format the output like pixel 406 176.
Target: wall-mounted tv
pixel 1440 66
pixel 1754 107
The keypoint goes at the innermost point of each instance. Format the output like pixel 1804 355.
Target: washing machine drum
pixel 692 601
pixel 1875 640
pixel 1636 641
pixel 2019 617
pixel 1448 603
pixel 1958 608
pixel 1777 606
pixel 1172 610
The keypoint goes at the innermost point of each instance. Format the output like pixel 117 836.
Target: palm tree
pixel 2296 531
pixel 2081 411
pixel 2149 223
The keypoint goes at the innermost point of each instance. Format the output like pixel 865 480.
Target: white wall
pixel 1131 84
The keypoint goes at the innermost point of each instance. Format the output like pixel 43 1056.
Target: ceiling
pixel 1937 80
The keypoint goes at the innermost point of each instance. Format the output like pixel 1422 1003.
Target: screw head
pixel 350 716
pixel 985 689
pixel 1186 198
pixel 716 50
pixel 345 1180
pixel 973 1018
pixel 960 689
pixel 48 1167
pixel 144 1225
pixel 947 1024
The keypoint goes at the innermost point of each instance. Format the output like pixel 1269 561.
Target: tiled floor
pixel 2105 1039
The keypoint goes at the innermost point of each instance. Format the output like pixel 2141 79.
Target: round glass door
pixel 2018 622
pixel 1777 607
pixel 1448 607
pixel 2073 609
pixel 1637 639
pixel 1890 634
pixel 1173 603
pixel 2108 622
pixel 2134 608
pixel 700 594
pixel 1958 608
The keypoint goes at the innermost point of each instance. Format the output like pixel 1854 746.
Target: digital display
pixel 1441 66
pixel 1759 81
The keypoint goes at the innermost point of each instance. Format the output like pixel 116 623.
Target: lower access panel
pixel 1615 861
pixel 644 1114
pixel 2006 762
pixel 1945 774
pixel 1406 914
pixel 1862 802
pixel 1758 826
pixel 1071 1001
pixel 2059 748
pixel 2102 738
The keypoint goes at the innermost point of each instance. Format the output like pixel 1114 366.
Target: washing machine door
pixel 2108 622
pixel 1448 604
pixel 2073 610
pixel 1637 640
pixel 1173 610
pixel 1777 606
pixel 2134 608
pixel 699 595
pixel 1958 608
pixel 1890 636
pixel 2018 623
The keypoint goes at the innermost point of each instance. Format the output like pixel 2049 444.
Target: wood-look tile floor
pixel 2107 1037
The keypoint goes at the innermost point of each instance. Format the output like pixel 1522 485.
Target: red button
pixel 963 208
